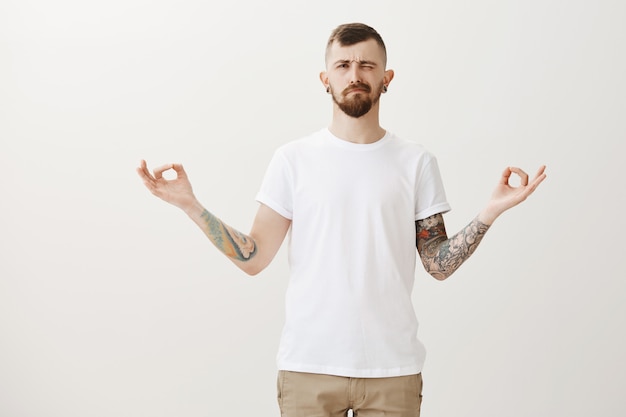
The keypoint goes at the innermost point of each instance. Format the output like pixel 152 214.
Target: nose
pixel 355 74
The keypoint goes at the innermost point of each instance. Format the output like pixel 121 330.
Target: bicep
pixel 429 233
pixel 268 231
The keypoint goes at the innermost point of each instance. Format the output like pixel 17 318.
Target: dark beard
pixel 359 104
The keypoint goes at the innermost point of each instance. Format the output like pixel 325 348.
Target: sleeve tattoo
pixel 441 255
pixel 231 242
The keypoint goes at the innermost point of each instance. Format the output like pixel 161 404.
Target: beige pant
pixel 316 395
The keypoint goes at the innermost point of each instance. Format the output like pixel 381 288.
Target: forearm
pixel 238 247
pixel 268 231
pixel 442 256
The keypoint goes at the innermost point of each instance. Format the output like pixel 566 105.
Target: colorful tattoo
pixel 231 242
pixel 442 256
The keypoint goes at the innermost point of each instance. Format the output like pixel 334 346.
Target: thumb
pixel 180 171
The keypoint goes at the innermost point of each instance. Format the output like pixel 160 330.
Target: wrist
pixel 193 209
pixel 487 216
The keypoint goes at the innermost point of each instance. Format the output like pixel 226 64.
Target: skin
pixel 346 66
pixel 440 255
pixel 251 252
pixel 350 71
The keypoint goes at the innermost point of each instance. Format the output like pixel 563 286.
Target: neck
pixel 366 129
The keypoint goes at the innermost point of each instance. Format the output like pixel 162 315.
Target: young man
pixel 358 199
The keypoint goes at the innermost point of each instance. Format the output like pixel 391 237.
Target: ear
pixel 388 76
pixel 324 79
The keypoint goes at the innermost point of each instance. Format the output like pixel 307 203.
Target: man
pixel 357 199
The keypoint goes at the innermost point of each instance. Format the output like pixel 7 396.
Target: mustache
pixel 357 86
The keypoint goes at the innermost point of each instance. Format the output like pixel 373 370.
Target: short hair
pixel 353 33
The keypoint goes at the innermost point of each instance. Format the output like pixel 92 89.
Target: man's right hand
pixel 177 191
pixel 252 252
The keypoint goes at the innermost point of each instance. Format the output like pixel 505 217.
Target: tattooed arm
pixel 441 255
pixel 252 252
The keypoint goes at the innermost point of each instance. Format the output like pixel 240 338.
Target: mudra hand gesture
pixel 506 196
pixel 176 191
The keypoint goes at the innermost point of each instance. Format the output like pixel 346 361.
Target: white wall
pixel 112 303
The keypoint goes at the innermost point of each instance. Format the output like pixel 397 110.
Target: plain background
pixel 113 303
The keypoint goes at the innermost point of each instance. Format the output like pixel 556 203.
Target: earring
pixel 328 89
pixel 384 88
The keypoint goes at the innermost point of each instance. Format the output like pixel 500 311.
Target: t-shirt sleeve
pixel 430 194
pixel 276 190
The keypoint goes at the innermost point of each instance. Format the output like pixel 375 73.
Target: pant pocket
pixel 420 387
pixel 279 389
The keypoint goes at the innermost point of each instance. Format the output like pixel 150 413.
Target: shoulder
pixel 303 149
pixel 411 148
pixel 302 144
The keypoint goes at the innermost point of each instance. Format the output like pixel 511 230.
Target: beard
pixel 358 104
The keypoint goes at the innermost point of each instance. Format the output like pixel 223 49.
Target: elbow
pixel 251 268
pixel 439 275
pixel 253 272
pixel 437 271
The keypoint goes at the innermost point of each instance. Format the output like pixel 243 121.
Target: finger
pixel 143 170
pixel 523 175
pixel 148 181
pixel 158 172
pixel 180 171
pixel 145 175
pixel 141 174
pixel 536 181
pixel 539 179
pixel 540 171
pixel 506 174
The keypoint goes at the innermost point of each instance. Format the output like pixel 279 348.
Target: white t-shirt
pixel 352 251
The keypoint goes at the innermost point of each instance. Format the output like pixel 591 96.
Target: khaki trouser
pixel 316 395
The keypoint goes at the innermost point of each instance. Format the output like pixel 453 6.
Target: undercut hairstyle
pixel 353 33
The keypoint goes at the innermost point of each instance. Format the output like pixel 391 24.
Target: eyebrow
pixel 358 61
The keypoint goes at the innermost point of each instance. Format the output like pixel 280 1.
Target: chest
pixel 366 182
